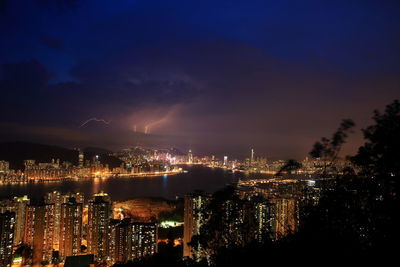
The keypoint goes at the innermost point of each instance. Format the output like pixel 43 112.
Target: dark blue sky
pixel 215 76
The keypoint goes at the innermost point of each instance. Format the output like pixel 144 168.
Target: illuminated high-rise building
pixel 265 220
pixel 4 166
pixel 190 157
pixel 81 158
pixel 225 161
pixel 20 213
pixel 29 163
pixel 7 224
pixel 119 240
pixel 193 219
pixel 99 216
pixel 235 214
pixel 96 162
pixel 79 197
pixel 286 216
pixel 143 240
pixel 39 231
pixel 71 228
pixel 131 241
pixel 55 198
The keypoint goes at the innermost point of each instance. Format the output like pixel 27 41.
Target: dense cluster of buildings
pixel 145 161
pixel 132 165
pixel 141 161
pixel 64 225
pixel 56 228
pixel 254 164
pixel 271 209
pixel 8 175
pixel 55 170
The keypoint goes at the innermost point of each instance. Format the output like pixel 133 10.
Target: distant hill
pixel 17 152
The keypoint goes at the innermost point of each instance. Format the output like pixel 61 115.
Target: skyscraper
pixel 39 231
pixel 131 241
pixel 190 157
pixel 143 240
pixel 193 219
pixel 80 158
pixel 99 216
pixel 7 223
pixel 120 240
pixel 265 220
pixel 286 216
pixel 20 213
pixel 4 166
pixel 55 198
pixel 71 228
pixel 79 197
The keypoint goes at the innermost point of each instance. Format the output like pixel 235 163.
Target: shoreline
pixel 130 175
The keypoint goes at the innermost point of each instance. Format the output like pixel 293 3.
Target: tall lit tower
pixel 225 160
pixel 252 157
pixel 143 242
pixel 71 228
pixel 286 216
pixel 99 217
pixel 7 223
pixel 55 198
pixel 193 219
pixel 265 220
pixel 39 231
pixel 190 157
pixel 20 212
pixel 119 241
pixel 80 158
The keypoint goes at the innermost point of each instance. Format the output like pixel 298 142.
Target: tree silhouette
pixel 290 166
pixel 25 251
pixel 357 215
pixel 379 156
pixel 327 150
pixel 362 208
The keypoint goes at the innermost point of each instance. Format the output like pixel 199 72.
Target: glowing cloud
pixel 152 119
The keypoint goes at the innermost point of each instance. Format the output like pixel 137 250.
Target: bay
pixel 119 189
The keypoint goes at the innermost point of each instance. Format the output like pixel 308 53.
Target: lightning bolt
pixel 147 127
pixel 94 119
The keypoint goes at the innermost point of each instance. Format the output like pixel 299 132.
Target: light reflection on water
pixel 197 178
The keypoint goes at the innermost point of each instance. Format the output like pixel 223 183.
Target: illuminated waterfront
pixel 121 188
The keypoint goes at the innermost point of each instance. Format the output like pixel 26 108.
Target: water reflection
pixel 197 178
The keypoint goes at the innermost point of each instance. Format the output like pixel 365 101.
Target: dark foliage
pixel 290 166
pixel 167 256
pixel 356 220
pixel 379 156
pixel 25 251
pixel 327 150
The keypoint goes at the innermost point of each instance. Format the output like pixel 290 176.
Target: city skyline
pixel 213 77
pixel 141 133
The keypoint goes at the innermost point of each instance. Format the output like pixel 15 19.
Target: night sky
pixel 219 77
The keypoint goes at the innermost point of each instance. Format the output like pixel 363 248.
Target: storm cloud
pixel 218 78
